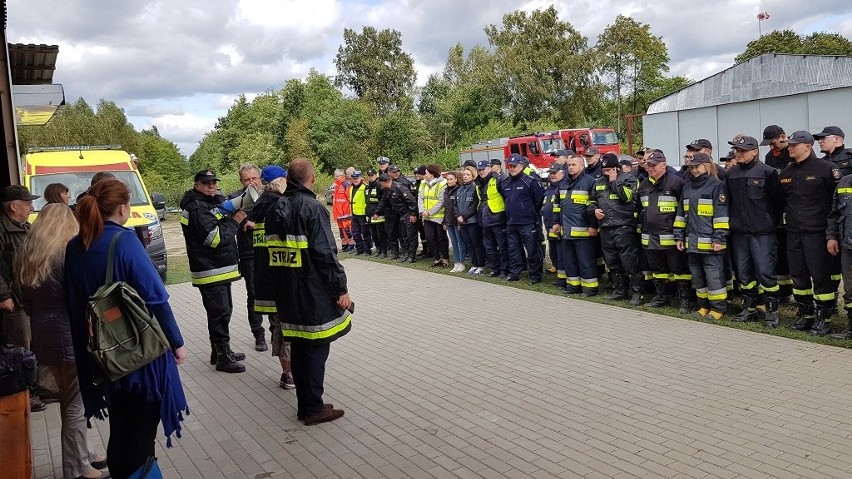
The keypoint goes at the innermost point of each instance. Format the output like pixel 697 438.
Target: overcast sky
pixel 179 64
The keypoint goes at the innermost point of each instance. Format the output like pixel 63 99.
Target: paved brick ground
pixel 448 377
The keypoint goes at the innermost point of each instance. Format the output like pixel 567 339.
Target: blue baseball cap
pixel 356 174
pixel 272 172
pixel 483 164
pixel 515 159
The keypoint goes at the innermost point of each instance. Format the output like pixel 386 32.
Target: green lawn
pixel 787 312
pixel 178 270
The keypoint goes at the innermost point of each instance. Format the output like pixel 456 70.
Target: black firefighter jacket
pixel 210 237
pixel 617 200
pixel 658 200
pixel 306 276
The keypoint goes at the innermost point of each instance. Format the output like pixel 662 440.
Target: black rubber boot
pixel 822 326
pixel 661 298
pixel 804 317
pixel 237 356
pixel 771 319
pixel 635 282
pixel 225 360
pixel 848 333
pixel 620 291
pixel 684 291
pixel 749 312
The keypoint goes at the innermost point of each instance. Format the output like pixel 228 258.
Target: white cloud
pixel 181 64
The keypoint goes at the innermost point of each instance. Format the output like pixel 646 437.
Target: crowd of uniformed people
pixel 772 230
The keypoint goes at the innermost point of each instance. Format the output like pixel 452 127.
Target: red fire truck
pixel 579 139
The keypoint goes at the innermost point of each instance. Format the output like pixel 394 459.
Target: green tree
pixel 788 41
pixel 373 65
pixel 631 61
pixel 159 155
pixel 543 65
pixel 341 135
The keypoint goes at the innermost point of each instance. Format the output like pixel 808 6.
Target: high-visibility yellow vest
pixel 431 195
pixel 494 198
pixel 358 200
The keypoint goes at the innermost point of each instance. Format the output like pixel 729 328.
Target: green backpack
pixel 123 334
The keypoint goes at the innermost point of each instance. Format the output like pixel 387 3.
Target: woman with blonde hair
pixel 39 269
pixel 139 402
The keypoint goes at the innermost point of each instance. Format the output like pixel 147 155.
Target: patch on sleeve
pixel 722 198
pixel 836 173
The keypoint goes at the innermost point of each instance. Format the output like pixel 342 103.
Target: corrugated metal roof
pixel 32 64
pixel 766 76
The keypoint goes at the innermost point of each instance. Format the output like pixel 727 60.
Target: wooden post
pixel 16 454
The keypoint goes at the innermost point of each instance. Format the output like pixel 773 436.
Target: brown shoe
pixel 327 414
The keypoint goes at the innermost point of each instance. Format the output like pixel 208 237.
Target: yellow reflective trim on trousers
pixel 661 276
pixel 701 294
pixel 748 286
pixel 573 281
pixel 785 282
pixel 770 289
pixel 589 283
pixel 216 277
pixel 824 297
pixel 682 277
pixel 317 335
pixel 836 277
pixel 717 295
pixel 803 292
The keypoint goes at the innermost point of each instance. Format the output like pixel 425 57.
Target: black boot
pixel 771 319
pixel 635 290
pixel 684 292
pixel 620 291
pixel 848 333
pixel 225 360
pixel 822 326
pixel 749 312
pixel 661 299
pixel 804 317
pixel 237 356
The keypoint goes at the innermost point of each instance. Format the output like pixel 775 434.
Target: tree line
pixel 536 73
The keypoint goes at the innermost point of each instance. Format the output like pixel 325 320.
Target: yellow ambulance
pixel 74 166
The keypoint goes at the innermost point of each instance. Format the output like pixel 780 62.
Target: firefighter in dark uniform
pixel 830 141
pixel 397 177
pixel 275 179
pixel 211 246
pixel 701 230
pixel 550 210
pixel 808 185
pixel 310 285
pixel 754 198
pixel 492 218
pixel 578 227
pixel 376 225
pixel 778 157
pixel 658 198
pixel 839 236
pixel 614 196
pixel 399 208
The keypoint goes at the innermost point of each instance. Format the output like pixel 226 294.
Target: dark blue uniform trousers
pixel 496 248
pixel 580 262
pixel 524 238
pixel 755 258
pixel 307 361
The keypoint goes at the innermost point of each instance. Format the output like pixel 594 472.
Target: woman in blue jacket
pixel 138 402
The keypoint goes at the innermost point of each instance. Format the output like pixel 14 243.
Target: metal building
pixel 797 92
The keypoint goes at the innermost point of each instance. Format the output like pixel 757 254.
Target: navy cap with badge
pixel 384 177
pixel 565 153
pixel 420 170
pixel 514 159
pixel 371 172
pixel 592 151
pixel 699 144
pixel 800 136
pixel 382 160
pixel 609 160
pixel 555 168
pixel 745 143
pixel 356 174
pixel 657 157
pixel 730 156
pixel 495 162
pixel 700 159
pixel 205 176
pixel 483 164
pixel 393 168
pixel 829 131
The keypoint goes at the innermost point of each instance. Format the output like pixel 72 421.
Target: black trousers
pixel 782 269
pixel 436 238
pixel 395 239
pixel 218 305
pixel 668 264
pixel 620 246
pixel 472 235
pixel 811 269
pixel 379 235
pixel 255 319
pixel 496 246
pixel 361 234
pixel 132 431
pixel 408 241
pixel 307 362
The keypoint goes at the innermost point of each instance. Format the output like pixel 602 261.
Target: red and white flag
pixel 763 16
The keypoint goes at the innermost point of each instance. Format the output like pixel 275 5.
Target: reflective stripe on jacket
pixel 702 215
pixel 658 200
pixel 210 237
